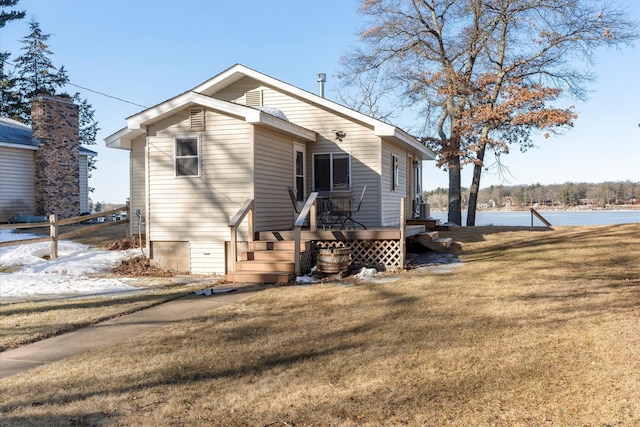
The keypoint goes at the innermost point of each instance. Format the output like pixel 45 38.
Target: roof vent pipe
pixel 322 77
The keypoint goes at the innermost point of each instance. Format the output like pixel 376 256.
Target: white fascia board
pixel 122 139
pixel 21 146
pixel 258 117
pixel 389 131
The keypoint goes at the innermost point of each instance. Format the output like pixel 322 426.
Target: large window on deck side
pixel 187 156
pixel 331 171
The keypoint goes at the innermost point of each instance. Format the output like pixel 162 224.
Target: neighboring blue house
pixel 49 174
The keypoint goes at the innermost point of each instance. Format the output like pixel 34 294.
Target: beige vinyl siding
pixel 84 183
pixel 16 183
pixel 198 208
pixel 207 257
pixel 391 200
pixel 360 142
pixel 137 191
pixel 273 174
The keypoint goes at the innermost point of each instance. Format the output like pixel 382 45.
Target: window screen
pixel 187 157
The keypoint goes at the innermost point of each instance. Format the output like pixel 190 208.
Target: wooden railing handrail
pixel 234 222
pixel 540 217
pixel 309 209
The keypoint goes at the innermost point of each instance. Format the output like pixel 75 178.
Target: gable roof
pixel 136 124
pixel 380 128
pixel 18 135
pixel 204 93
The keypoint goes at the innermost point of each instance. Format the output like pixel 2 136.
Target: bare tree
pixel 467 64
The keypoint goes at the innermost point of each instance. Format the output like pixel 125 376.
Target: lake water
pixel 559 218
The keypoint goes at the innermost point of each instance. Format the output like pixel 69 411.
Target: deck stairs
pixel 271 259
pixel 432 240
pixel 267 261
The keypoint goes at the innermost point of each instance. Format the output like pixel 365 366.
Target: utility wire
pixel 104 94
pixel 91 90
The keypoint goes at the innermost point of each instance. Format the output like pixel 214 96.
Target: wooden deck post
pixel 53 232
pixel 297 266
pixel 403 233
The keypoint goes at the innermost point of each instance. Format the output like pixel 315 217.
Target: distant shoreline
pixel 618 208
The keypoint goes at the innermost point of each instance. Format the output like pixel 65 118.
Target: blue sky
pixel 146 51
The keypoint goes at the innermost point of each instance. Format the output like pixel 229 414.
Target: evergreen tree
pixel 35 70
pixel 6 16
pixel 87 127
pixel 35 74
pixel 9 97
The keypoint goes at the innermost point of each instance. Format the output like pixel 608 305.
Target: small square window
pixel 187 159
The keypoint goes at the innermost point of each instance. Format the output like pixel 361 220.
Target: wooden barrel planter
pixel 333 260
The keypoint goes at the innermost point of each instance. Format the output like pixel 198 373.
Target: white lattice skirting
pixel 369 253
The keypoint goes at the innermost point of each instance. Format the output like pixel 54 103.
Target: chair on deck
pixel 349 219
pixel 343 210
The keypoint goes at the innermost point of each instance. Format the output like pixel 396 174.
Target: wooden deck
pixel 377 233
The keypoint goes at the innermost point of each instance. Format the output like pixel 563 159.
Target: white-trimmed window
pixel 395 172
pixel 187 156
pixel 331 171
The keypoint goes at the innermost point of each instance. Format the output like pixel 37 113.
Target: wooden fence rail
pixel 54 223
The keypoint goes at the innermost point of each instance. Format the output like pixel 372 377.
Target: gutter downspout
pixel 147 201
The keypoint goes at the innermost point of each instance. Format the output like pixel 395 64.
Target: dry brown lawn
pixel 537 328
pixel 24 322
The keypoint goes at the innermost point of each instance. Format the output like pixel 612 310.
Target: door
pixel 414 187
pixel 299 159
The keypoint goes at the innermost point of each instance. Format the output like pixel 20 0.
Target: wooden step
pixel 259 277
pixel 431 240
pixel 265 266
pixel 277 245
pixel 271 255
pixel 444 241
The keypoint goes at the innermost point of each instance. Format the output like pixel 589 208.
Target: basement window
pixel 187 156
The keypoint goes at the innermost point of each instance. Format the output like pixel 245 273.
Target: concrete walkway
pixel 116 330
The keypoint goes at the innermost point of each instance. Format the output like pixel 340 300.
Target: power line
pixel 90 90
pixel 108 96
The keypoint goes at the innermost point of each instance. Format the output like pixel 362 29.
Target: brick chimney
pixel 54 122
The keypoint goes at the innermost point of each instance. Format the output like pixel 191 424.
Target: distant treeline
pixel 569 194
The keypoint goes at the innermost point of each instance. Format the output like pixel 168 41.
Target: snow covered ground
pixel 76 271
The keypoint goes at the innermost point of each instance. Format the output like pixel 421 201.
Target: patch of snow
pixel 9 235
pixel 366 273
pixel 305 279
pixel 274 112
pixel 308 278
pixel 69 274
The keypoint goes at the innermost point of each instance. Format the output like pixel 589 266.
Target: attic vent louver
pixel 197 118
pixel 253 98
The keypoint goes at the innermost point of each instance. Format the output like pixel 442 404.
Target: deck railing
pixel 245 210
pixel 309 210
